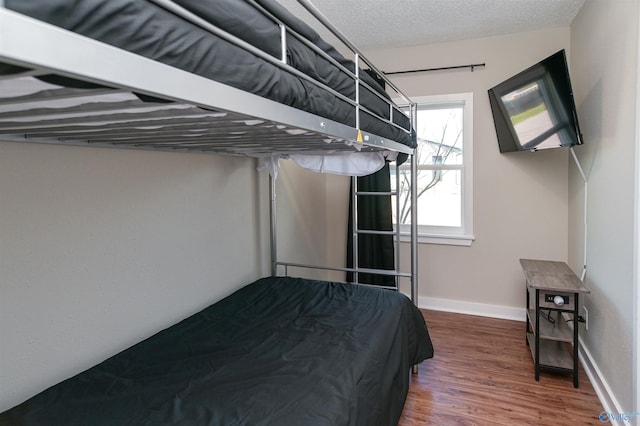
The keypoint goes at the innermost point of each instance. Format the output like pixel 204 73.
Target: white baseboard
pixel 609 402
pixel 611 407
pixel 472 308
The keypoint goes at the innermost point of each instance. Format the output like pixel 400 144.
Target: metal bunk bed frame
pixel 202 112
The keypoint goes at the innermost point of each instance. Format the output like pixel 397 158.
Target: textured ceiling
pixel 396 23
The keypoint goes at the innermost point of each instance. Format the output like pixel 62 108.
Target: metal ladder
pixel 395 233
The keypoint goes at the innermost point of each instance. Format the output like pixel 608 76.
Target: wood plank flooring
pixel 482 373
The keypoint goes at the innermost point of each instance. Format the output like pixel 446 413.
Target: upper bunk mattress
pixel 147 29
pixel 280 351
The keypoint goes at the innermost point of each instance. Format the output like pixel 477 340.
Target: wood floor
pixel 482 373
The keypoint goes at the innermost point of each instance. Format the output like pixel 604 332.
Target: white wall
pixel 520 199
pixel 604 46
pixel 100 248
pixel 312 211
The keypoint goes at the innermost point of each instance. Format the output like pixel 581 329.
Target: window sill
pixel 450 240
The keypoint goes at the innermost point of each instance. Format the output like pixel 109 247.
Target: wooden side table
pixel 555 290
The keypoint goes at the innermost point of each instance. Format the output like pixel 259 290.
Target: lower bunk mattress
pixel 280 351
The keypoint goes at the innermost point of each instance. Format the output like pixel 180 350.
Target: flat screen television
pixel 535 109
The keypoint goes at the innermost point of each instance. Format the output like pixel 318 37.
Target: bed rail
pixel 358 56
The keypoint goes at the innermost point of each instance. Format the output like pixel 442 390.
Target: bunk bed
pixel 233 78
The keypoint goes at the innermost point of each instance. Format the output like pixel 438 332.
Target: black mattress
pixel 147 29
pixel 280 351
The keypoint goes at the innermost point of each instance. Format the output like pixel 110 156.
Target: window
pixel 445 193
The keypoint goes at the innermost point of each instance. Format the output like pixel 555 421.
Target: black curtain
pixel 374 213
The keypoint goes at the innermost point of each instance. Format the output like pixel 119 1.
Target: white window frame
pixel 463 235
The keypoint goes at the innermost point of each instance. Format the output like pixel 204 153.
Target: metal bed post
pixel 397 223
pixel 354 180
pixel 354 227
pixel 414 220
pixel 356 61
pixel 272 216
pixel 414 215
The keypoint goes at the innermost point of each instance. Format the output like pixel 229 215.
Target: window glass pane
pixel 446 195
pixel 439 132
pixel 440 158
pixel 439 198
pixel 444 161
